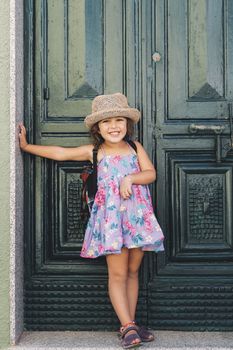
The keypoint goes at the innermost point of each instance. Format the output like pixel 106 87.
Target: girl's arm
pixel 146 176
pixel 54 152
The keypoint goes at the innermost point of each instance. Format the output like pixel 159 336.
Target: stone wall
pixel 16 170
pixel 4 172
pixel 11 172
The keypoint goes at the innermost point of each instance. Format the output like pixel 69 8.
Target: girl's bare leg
pixel 117 284
pixel 134 262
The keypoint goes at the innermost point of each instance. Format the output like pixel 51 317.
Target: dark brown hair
pixel 98 139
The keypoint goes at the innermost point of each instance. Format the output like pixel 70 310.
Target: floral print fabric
pixel 114 222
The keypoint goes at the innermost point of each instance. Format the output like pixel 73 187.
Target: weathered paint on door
pixel 83 48
pixel 192 286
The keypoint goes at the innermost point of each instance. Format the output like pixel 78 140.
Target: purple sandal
pixel 131 340
pixel 145 335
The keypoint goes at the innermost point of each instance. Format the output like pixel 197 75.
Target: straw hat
pixel 108 106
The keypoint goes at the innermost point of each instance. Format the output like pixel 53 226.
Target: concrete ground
pixel 165 340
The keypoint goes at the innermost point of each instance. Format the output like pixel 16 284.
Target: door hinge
pixel 46 93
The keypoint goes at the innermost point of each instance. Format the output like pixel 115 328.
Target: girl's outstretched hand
pixel 125 187
pixel 22 137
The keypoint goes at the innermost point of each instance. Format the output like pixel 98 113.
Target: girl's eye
pixel 120 119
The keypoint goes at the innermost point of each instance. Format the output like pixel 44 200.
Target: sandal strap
pixel 128 329
pixel 126 325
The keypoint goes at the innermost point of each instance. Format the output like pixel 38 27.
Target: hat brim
pixel 131 113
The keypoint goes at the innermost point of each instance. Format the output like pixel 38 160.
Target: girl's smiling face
pixel 113 129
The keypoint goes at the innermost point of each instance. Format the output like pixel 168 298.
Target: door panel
pixel 80 58
pixel 195 57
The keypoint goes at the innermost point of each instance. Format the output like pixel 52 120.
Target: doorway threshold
pixel 165 340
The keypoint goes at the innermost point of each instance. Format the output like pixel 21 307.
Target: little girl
pixel 122 224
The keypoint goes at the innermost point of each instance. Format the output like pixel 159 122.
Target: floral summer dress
pixel 115 222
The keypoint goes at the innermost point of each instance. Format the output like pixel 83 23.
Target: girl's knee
pixel 118 276
pixel 135 259
pixel 133 271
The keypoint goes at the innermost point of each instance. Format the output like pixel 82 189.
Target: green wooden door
pixel 192 284
pixel 77 49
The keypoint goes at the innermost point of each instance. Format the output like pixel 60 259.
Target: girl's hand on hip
pixel 126 187
pixel 22 137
